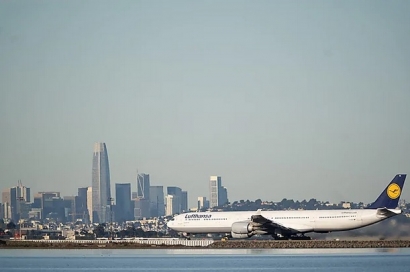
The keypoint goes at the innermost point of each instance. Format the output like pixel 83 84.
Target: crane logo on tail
pixel 393 191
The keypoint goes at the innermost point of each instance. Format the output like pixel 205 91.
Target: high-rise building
pixel 6 210
pixel 5 196
pixel 223 196
pixel 19 197
pixel 184 201
pixel 202 203
pixel 176 192
pixel 171 205
pixel 123 207
pixel 214 185
pixel 70 208
pixel 141 208
pixel 101 187
pixel 82 210
pixel 157 205
pixel 52 205
pixel 218 193
pixel 1 211
pixel 143 186
pixel 90 203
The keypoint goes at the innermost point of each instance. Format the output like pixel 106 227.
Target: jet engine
pixel 242 230
pixel 240 236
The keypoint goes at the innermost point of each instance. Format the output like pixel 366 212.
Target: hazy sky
pixel 283 99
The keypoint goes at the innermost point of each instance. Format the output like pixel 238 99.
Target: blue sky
pixel 283 99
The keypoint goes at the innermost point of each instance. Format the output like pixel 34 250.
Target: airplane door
pixel 312 221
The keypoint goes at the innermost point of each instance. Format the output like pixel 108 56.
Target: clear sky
pixel 283 99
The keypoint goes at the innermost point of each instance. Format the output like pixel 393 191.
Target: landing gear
pixel 185 235
pixel 226 237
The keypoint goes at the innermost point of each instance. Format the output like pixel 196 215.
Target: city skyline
pixel 143 179
pixel 283 99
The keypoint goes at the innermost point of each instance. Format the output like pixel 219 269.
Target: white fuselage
pixel 302 221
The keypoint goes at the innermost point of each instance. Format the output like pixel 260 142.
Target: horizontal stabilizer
pixel 383 212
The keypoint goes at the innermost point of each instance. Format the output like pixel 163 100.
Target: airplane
pixel 290 224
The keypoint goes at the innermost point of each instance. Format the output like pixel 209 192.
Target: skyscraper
pixel 176 192
pixel 184 201
pixel 218 193
pixel 157 205
pixel 82 212
pixel 90 203
pixel 202 203
pixel 143 185
pixel 70 204
pixel 18 196
pixel 101 188
pixel 214 184
pixel 52 205
pixel 2 210
pixel 223 196
pixel 171 206
pixel 141 208
pixel 123 207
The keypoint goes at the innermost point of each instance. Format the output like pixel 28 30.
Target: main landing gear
pixel 185 235
pixel 226 237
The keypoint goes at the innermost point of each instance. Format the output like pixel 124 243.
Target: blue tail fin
pixel 389 198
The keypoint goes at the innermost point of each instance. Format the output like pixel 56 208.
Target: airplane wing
pixel 258 220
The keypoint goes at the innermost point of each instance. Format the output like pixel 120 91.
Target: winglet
pixel 389 198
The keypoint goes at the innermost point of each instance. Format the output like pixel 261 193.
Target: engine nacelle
pixel 242 230
pixel 240 236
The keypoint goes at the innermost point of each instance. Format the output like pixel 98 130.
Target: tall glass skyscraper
pixel 101 189
pixel 176 192
pixel 123 209
pixel 143 185
pixel 157 205
pixel 218 193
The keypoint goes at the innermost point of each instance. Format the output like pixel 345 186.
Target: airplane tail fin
pixel 389 198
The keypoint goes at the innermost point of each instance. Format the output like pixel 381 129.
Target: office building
pixel 51 205
pixel 6 210
pixel 223 196
pixel 176 192
pixel 5 196
pixel 123 206
pixel 90 203
pixel 218 193
pixel 157 205
pixel 101 188
pixel 82 210
pixel 1 211
pixel 203 203
pixel 19 196
pixel 141 208
pixel 171 205
pixel 70 204
pixel 143 186
pixel 184 201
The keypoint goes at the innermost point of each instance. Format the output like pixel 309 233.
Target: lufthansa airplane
pixel 291 224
